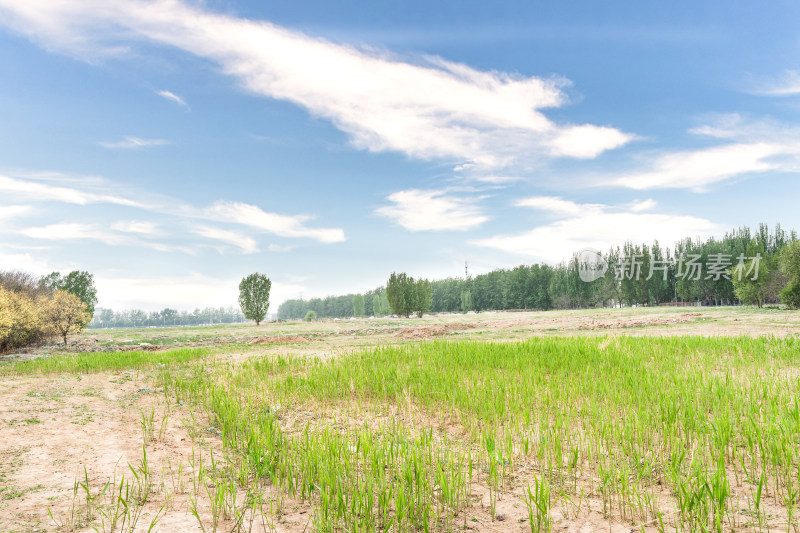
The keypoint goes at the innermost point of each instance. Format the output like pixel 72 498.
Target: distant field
pixel 332 335
pixel 665 419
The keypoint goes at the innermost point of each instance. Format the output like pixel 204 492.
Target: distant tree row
pixel 33 309
pixel 136 318
pixel 407 295
pixel 370 303
pixel 748 267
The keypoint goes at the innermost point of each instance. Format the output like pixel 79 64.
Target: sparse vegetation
pixel 568 415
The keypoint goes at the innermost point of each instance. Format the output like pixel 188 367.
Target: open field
pixel 333 336
pixel 666 419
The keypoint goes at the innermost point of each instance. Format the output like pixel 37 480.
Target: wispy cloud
pixel 498 180
pixel 10 212
pixel 788 84
pixel 697 169
pixel 280 248
pixel 133 143
pixel 429 109
pixel 138 227
pixel 558 206
pixel 751 148
pixel 25 262
pixel 277 224
pixel 71 231
pixel 243 242
pixel 65 232
pixel 432 210
pixel 250 216
pixel 38 190
pixel 597 226
pixel 172 97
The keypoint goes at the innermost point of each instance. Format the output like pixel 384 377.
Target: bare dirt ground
pixel 54 427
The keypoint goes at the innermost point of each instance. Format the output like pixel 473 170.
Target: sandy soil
pixel 55 427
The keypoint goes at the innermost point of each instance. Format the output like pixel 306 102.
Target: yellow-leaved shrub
pixel 20 320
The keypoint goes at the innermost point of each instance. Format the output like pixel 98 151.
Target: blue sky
pixel 172 147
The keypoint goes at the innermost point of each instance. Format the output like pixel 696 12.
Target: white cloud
pixel 132 143
pixel 557 206
pixel 598 226
pixel 753 147
pixel 587 141
pixel 696 169
pixel 172 97
pixel 432 109
pixel 74 231
pixel 248 215
pixel 497 180
pixel 63 231
pixel 432 210
pixel 280 248
pixel 43 191
pixel 281 225
pixel 9 212
pixel 138 227
pixel 25 262
pixel 643 205
pixel 787 85
pixel 244 243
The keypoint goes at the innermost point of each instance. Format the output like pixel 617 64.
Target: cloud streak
pixel 281 225
pixel 597 226
pixel 787 85
pixel 750 148
pixel 251 217
pixel 133 143
pixel 36 190
pixel 432 210
pixel 429 109
pixel 172 97
pixel 244 243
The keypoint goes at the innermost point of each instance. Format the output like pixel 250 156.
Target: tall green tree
pixel 422 292
pixel 790 267
pixel 380 305
pixel 466 302
pixel 78 282
pixel 399 292
pixel 358 305
pixel 750 282
pixel 254 296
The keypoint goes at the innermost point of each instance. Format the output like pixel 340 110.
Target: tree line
pixel 751 267
pixel 371 303
pixel 137 318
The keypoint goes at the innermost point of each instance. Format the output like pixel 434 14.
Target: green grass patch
pixel 683 430
pixel 91 362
